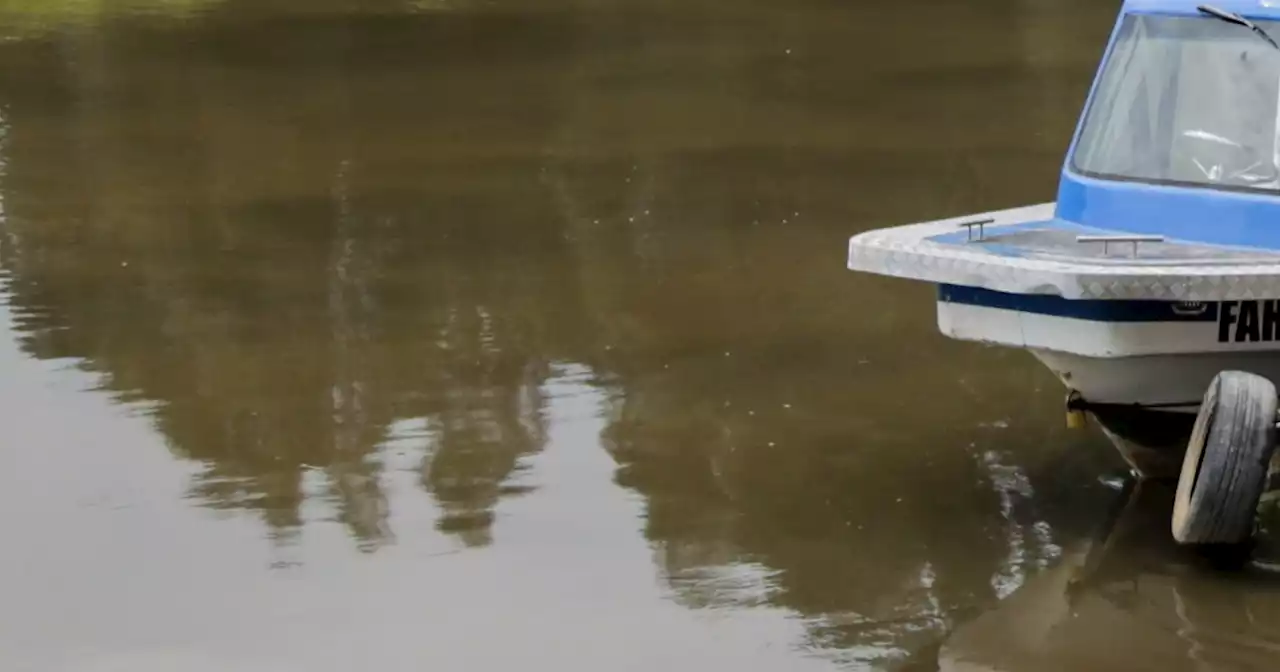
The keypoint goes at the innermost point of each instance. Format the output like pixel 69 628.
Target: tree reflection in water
pixel 290 238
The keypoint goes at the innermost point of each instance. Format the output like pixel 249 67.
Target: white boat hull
pixel 1136 327
pixel 1147 363
pixel 1141 380
pixel 1166 382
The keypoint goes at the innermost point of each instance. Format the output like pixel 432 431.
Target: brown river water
pixel 487 335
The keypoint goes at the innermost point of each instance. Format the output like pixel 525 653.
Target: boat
pixel 1150 286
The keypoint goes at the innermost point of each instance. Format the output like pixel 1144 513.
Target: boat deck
pixel 1058 242
pixel 1026 250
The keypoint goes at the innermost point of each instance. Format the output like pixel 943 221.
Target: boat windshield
pixel 1188 100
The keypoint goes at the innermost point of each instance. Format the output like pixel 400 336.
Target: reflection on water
pixel 1127 599
pixel 21 19
pixel 420 322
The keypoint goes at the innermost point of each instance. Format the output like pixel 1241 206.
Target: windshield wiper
pixel 1232 17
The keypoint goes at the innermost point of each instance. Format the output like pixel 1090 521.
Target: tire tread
pixel 1224 477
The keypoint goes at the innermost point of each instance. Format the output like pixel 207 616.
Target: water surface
pixel 480 335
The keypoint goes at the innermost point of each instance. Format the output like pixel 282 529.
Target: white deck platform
pixel 1182 272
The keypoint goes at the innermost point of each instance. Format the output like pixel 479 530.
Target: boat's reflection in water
pixel 1130 599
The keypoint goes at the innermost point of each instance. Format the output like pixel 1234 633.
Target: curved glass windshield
pixel 1186 100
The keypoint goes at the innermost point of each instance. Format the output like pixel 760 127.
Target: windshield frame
pixel 1105 82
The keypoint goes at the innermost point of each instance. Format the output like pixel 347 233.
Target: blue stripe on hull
pixel 1096 310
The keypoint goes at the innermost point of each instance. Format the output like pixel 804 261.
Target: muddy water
pixel 471 335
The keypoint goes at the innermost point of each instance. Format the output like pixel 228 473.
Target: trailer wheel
pixel 1225 468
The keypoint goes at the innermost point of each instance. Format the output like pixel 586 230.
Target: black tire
pixel 1224 471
